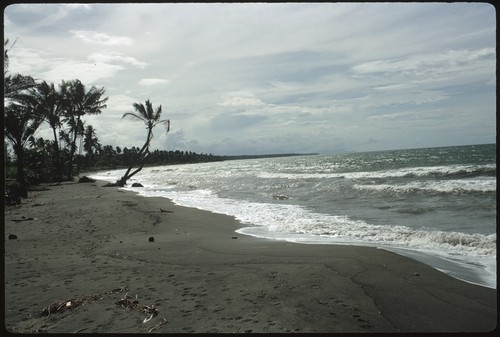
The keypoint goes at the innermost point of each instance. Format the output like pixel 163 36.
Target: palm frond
pixel 133 115
pixel 139 107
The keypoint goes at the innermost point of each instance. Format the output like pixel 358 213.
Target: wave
pixel 438 172
pixel 295 219
pixel 439 186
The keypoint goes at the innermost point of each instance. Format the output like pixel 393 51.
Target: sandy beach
pixel 103 260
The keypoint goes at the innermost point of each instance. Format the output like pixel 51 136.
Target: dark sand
pixel 78 240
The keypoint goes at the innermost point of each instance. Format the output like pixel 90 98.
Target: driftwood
pixel 127 303
pixel 159 325
pixel 63 305
pixel 134 304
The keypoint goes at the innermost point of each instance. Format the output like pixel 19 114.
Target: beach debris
pixel 12 237
pixel 63 305
pixel 416 274
pixel 165 211
pixel 280 197
pixel 159 325
pixel 151 239
pixel 23 218
pixel 86 179
pixel 134 304
pixel 137 185
pixel 111 185
pixel 80 330
pixel 234 237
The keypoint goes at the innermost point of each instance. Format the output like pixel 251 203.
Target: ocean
pixel 435 205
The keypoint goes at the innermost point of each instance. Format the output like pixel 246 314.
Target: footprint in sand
pixel 218 308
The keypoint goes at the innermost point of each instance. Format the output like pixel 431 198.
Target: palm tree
pixel 90 142
pixel 20 124
pixel 50 107
pixel 151 117
pixel 78 102
pixel 15 86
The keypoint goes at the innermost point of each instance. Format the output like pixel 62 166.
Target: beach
pixel 115 262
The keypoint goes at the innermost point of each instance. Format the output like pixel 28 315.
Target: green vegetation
pixel 29 159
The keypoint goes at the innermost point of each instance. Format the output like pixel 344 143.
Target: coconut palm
pixel 48 104
pixel 20 124
pixel 14 86
pixel 151 117
pixel 90 142
pixel 78 102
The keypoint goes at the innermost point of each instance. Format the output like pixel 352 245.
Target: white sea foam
pixel 449 250
pixel 391 173
pixel 294 219
pixel 444 186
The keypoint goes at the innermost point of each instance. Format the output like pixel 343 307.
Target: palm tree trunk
pixel 19 151
pixel 73 148
pixel 56 154
pixel 141 157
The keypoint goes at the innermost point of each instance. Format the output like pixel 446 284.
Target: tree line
pixel 29 159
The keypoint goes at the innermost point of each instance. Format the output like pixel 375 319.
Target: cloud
pixel 116 57
pixel 152 81
pixel 121 103
pixel 101 38
pixel 240 98
pixel 427 63
pixel 40 17
pixel 86 72
pixel 26 60
pixel 259 77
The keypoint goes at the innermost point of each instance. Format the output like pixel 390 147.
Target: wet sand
pixel 99 246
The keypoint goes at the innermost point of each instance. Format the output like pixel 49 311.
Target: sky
pixel 262 78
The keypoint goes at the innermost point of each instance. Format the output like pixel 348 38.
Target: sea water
pixel 435 205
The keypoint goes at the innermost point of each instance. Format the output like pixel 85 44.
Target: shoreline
pixel 479 272
pixel 202 276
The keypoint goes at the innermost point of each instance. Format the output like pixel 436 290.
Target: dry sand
pixel 78 242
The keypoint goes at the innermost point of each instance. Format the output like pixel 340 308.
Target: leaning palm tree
pixel 151 117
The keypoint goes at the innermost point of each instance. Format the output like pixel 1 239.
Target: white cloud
pixel 101 38
pixel 85 72
pixel 116 57
pixel 426 63
pixel 120 103
pixel 152 81
pixel 241 101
